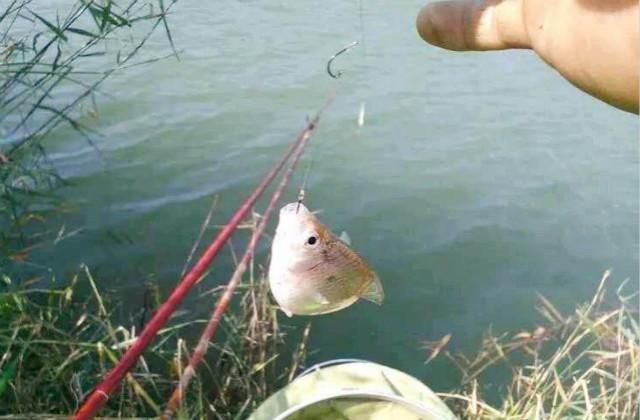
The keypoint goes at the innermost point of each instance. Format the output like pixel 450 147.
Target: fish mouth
pixel 294 208
pixel 294 222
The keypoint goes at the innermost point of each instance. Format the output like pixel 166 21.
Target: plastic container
pixel 354 390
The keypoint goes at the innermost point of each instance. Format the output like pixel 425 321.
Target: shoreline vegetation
pixel 57 340
pixel 53 67
pixel 581 365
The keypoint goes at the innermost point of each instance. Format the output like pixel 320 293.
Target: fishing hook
pixel 333 57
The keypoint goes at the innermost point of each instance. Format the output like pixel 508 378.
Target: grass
pixel 57 342
pixel 53 65
pixel 585 365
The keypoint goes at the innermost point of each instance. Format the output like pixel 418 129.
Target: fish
pixel 314 272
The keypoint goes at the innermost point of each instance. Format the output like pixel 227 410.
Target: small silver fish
pixel 312 271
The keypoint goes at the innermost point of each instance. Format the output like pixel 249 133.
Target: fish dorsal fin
pixel 374 292
pixel 344 237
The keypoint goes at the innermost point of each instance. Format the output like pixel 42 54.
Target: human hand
pixel 594 44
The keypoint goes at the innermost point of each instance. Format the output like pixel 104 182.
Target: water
pixel 477 181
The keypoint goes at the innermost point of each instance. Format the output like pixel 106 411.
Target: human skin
pixel 594 44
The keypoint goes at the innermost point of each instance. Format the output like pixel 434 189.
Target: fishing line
pixel 361 112
pixel 304 184
pixel 335 75
pixel 100 394
pixel 360 13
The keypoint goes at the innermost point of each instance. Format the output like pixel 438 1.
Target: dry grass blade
pixel 586 365
pixel 300 355
pixel 203 229
pixel 57 358
pixel 434 348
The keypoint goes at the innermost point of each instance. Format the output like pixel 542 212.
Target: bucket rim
pixel 332 362
pixel 358 394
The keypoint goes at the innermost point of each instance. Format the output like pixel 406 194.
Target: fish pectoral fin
pixel 374 292
pixel 344 237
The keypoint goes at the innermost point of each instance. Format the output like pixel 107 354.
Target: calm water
pixel 477 181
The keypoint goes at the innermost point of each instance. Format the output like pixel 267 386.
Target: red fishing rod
pixel 225 299
pixel 100 395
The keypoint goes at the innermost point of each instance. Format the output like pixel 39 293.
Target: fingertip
pixel 439 24
pixel 462 25
pixel 424 25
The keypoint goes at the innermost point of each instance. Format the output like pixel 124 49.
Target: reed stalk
pixel 584 365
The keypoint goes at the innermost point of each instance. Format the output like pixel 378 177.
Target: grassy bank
pixel 57 343
pixel 584 365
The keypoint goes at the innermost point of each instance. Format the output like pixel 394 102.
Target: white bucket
pixel 354 390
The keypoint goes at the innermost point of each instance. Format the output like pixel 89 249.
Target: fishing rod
pixel 225 299
pixel 100 395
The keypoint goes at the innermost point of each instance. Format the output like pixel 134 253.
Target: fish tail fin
pixel 374 292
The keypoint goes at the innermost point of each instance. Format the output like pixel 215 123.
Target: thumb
pixel 462 25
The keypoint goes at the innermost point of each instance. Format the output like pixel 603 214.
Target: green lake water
pixel 477 181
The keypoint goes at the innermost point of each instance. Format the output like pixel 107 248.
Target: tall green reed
pixel 53 62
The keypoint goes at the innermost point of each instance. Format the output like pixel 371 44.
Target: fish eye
pixel 312 240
